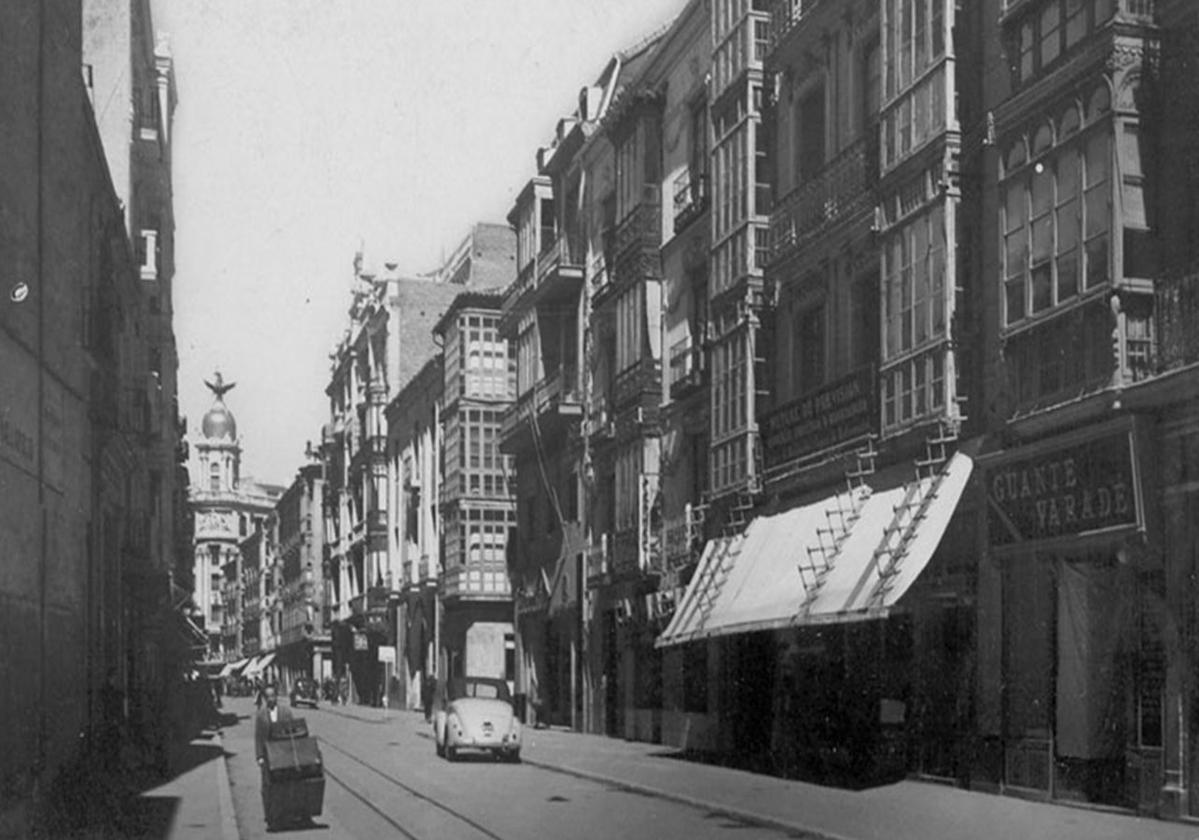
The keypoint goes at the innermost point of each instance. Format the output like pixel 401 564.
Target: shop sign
pixel 386 653
pixel 360 641
pixel 1079 489
pixel 840 411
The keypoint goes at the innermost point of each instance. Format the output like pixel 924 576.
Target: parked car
pixel 475 713
pixel 304 691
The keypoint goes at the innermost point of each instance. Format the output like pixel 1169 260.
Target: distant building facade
pixel 226 508
pixel 476 505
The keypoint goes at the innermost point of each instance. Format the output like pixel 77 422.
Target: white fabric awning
pixel 854 589
pixel 753 581
pixel 259 665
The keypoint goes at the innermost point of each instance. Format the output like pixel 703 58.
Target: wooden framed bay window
pixel 1056 216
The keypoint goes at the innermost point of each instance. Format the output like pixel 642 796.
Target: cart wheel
pixel 440 749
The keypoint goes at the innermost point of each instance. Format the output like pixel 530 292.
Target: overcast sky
pixel 305 127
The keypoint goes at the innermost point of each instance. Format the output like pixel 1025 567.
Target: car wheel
pixel 451 753
pixel 512 757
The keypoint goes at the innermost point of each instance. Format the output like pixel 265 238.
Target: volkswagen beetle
pixel 476 713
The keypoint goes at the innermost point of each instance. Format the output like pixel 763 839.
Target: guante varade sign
pixel 1078 489
pixel 840 411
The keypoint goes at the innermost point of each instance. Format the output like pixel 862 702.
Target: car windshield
pixel 488 689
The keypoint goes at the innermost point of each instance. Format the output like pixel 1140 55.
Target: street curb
pixel 225 795
pixel 710 807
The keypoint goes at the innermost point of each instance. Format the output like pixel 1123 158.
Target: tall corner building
pixel 226 509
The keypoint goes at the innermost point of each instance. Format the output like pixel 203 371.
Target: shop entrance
pixel 1071 645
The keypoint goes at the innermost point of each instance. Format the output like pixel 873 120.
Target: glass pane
pixel 1042 239
pixel 1015 156
pixel 1134 206
pixel 1042 140
pixel 1042 291
pixel 1097 213
pixel 1042 193
pixel 1015 300
pixel 1017 253
pixel 1067 174
pixel 1067 226
pixel 1098 162
pixel 1016 206
pixel 1067 275
pixel 1096 261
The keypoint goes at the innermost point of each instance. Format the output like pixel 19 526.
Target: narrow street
pixel 384 780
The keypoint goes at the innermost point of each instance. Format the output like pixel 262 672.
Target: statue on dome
pixel 219 386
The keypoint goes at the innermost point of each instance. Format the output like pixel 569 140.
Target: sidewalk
pixel 204 809
pixel 907 810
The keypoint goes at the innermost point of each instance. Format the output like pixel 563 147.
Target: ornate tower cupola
pixel 218 449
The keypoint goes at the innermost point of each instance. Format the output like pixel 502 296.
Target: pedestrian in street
pixel 345 690
pixel 258 692
pixel 427 689
pixel 271 712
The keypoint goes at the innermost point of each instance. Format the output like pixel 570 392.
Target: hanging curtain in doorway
pixel 1093 635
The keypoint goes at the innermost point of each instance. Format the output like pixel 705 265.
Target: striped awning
pixel 754 581
pixel 259 665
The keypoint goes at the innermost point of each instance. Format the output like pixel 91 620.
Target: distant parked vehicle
pixel 476 714
pixel 305 692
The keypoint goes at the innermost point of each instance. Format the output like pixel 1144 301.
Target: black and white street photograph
pixel 571 419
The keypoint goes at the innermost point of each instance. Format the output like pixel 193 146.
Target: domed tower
pixel 218 450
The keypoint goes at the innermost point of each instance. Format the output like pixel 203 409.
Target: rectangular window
pixel 811 350
pixel 811 134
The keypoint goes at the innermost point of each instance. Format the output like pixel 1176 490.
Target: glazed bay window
pixel 1057 216
pixel 915 77
pixel 1051 29
pixel 915 304
pixel 486 372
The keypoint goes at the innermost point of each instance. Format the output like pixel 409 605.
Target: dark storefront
pixel 1072 670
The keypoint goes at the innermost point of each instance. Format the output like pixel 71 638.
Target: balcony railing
pixel 638 237
pixel 684 537
pixel 1176 321
pixel 556 393
pixel 843 187
pixel 642 377
pixel 686 367
pixel 690 197
pixel 626 554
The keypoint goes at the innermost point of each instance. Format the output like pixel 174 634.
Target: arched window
pixel 1069 123
pixel 214 477
pixel 1100 103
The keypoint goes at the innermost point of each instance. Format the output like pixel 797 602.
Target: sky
pixel 307 129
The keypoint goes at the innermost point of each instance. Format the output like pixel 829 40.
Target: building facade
pixel 86 592
pixel 388 342
pixel 1084 583
pixel 226 508
pixel 305 644
pixel 545 317
pixel 477 511
pixel 414 479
